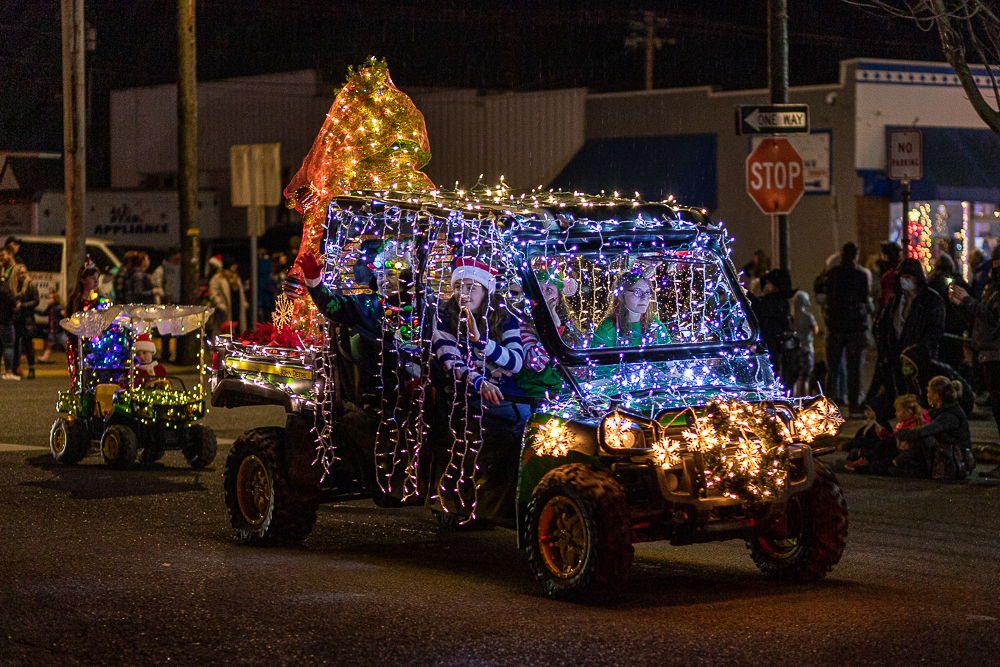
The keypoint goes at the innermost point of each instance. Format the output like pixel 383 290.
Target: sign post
pixel 256 183
pixel 905 162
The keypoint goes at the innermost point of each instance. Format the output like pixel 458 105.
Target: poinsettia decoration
pixel 267 335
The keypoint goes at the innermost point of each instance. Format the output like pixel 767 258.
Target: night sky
pixel 510 45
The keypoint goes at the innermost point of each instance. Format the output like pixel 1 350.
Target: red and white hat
pixel 144 344
pixel 470 267
pixel 216 261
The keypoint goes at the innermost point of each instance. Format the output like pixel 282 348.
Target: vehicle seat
pixel 102 398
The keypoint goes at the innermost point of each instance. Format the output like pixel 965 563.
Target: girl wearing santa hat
pixel 477 338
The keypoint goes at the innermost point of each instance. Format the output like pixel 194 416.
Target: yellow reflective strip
pixel 270 369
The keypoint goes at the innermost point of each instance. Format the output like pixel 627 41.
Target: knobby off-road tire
pixel 816 533
pixel 201 446
pixel 69 440
pixel 579 534
pixel 150 452
pixel 119 446
pixel 264 507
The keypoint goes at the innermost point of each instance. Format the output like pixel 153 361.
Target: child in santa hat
pixel 145 365
pixel 477 338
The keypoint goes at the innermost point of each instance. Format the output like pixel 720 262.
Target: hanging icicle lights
pixel 672 258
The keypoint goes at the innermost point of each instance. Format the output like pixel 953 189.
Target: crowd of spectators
pixel 26 315
pixel 936 340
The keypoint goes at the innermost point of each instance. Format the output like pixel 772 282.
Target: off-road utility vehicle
pixel 666 424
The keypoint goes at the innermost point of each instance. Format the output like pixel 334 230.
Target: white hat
pixel 470 267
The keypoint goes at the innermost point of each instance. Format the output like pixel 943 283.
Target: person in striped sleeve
pixel 477 338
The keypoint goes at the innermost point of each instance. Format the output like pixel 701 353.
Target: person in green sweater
pixel 631 323
pixel 539 376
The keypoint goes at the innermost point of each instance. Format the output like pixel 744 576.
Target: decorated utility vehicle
pixel 132 413
pixel 637 403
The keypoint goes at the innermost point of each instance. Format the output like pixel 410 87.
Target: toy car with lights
pixel 666 424
pixel 132 417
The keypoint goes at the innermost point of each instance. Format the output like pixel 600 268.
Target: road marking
pixel 4 447
pixel 974 617
pixel 8 447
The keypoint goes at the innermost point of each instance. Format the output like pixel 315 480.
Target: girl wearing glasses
pixel 631 324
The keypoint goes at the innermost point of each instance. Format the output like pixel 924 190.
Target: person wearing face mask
pixel 631 323
pixel 913 316
pixel 919 369
pixel 985 315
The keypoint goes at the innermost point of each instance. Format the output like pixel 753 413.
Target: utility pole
pixel 777 79
pixel 74 136
pixel 187 163
pixel 649 40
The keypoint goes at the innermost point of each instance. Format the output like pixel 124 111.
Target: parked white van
pixel 45 257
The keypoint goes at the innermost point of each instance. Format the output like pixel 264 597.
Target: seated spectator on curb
pixel 941 449
pixel 871 450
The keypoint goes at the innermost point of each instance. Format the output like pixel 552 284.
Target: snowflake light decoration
pixel 284 309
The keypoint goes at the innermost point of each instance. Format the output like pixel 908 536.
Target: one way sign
pixel 773 119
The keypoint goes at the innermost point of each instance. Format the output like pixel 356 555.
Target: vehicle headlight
pixel 620 432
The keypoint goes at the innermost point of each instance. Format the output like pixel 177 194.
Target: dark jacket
pixel 924 323
pixel 7 303
pixel 928 369
pixel 136 287
pixel 28 296
pixel 980 276
pixel 847 304
pixel 985 315
pixel 948 425
pixel 772 311
pixel 955 319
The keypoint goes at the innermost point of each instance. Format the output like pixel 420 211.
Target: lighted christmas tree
pixel 374 138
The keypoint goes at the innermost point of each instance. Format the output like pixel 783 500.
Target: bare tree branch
pixel 949 17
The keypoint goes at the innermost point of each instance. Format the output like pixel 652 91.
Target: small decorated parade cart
pixel 134 415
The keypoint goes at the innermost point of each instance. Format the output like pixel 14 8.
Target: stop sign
pixel 775 176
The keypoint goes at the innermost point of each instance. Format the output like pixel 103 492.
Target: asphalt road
pixel 139 567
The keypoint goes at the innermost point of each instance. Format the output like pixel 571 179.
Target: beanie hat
pixel 216 261
pixel 144 344
pixel 911 266
pixel 781 279
pixel 470 267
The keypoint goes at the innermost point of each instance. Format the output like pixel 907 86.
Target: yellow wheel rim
pixel 780 546
pixel 111 446
pixel 562 537
pixel 59 440
pixel 253 490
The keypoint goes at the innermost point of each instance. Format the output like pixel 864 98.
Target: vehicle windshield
pixel 652 298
